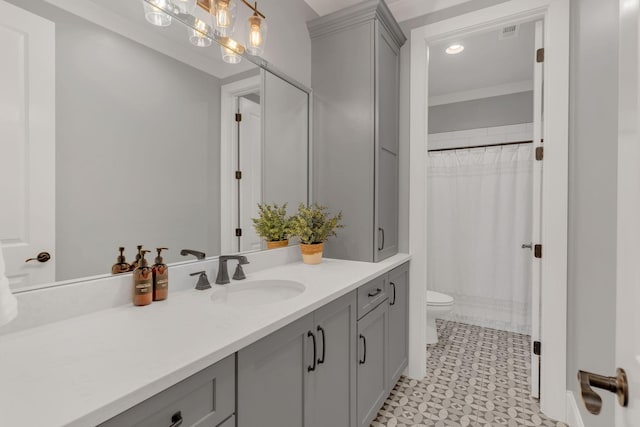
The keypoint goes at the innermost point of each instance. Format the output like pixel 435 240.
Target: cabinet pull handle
pixel 311 368
pixel 393 285
pixel 374 293
pixel 324 345
pixel 364 356
pixel 381 230
pixel 176 419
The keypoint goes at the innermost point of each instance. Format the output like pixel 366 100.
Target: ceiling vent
pixel 509 32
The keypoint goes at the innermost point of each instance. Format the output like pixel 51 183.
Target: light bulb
pixel 185 6
pixel 257 35
pixel 153 12
pixel 224 16
pixel 231 50
pixel 197 36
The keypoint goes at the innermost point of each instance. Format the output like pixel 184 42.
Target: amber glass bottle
pixel 160 277
pixel 142 282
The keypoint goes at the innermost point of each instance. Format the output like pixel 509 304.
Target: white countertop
pixel 85 370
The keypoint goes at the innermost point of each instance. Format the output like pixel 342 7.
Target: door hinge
pixel 238 174
pixel 238 232
pixel 540 55
pixel 539 153
pixel 537 251
pixel 238 117
pixel 537 348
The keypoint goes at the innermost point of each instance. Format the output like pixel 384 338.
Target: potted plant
pixel 313 225
pixel 272 225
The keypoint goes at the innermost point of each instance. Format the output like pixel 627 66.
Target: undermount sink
pixel 256 292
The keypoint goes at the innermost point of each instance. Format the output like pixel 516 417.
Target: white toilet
pixel 438 304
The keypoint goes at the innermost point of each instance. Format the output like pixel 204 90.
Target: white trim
pixel 485 92
pixel 407 9
pixel 555 181
pixel 228 95
pixel 574 419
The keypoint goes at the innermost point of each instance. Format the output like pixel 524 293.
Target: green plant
pixel 313 224
pixel 272 223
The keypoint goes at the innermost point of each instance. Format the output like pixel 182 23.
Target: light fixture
pixel 198 35
pixel 224 16
pixel 185 7
pixel 153 12
pixel 257 31
pixel 231 50
pixel 454 49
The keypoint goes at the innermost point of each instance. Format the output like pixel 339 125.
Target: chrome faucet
pixel 223 274
pixel 197 254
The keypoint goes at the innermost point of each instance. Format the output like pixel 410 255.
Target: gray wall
pixel 512 109
pixel 592 183
pixel 137 149
pixel 288 44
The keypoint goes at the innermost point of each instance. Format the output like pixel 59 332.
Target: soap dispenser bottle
pixel 160 277
pixel 121 266
pixel 142 282
pixel 135 263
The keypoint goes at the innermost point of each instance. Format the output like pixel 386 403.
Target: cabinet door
pixel 372 363
pixel 331 397
pixel 398 322
pixel 271 377
pixel 386 143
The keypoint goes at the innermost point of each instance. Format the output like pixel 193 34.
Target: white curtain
pixel 479 215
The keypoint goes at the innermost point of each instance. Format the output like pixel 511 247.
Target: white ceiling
pixel 401 9
pixel 486 63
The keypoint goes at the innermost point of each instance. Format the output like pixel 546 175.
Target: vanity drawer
pixel 371 294
pixel 205 399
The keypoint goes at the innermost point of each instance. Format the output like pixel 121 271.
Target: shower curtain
pixel 479 215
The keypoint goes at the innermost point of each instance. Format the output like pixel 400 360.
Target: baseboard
pixel 574 419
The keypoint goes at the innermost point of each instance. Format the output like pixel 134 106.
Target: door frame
pixel 228 106
pixel 555 14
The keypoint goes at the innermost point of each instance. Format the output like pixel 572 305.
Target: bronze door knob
pixel 591 399
pixel 41 257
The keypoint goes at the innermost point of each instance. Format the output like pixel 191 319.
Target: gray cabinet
pixel 355 63
pixel 303 374
pixel 372 363
pixel 331 390
pixel 398 290
pixel 272 377
pixel 206 399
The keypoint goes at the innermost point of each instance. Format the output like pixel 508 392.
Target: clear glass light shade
pixel 224 16
pixel 197 36
pixel 257 35
pixel 153 12
pixel 185 6
pixel 230 54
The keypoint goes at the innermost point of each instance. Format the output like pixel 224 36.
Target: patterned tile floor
pixel 476 377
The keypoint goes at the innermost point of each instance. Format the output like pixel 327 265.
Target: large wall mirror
pixel 117 133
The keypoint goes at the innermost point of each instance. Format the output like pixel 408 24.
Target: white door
pixel 250 164
pixel 536 218
pixel 27 150
pixel 628 254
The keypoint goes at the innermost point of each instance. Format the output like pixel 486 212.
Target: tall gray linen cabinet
pixel 355 72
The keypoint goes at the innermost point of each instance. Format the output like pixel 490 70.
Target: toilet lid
pixel 436 298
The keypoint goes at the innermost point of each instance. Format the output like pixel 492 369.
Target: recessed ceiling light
pixel 454 49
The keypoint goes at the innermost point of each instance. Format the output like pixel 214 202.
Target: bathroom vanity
pixel 331 350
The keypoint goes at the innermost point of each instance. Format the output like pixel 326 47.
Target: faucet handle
pixel 239 274
pixel 203 280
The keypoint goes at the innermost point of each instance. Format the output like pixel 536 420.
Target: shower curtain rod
pixel 481 146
